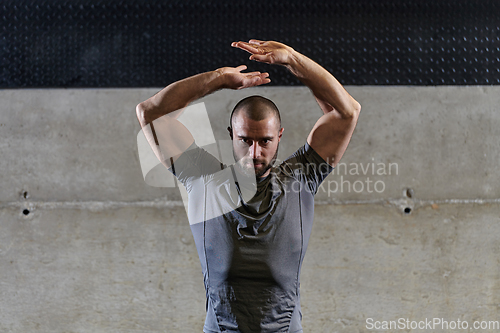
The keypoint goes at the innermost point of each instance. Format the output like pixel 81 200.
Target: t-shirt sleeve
pixel 308 167
pixel 194 163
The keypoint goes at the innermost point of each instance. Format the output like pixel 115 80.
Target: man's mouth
pixel 257 164
pixel 254 165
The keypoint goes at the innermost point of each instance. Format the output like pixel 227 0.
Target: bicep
pixel 324 106
pixel 167 137
pixel 330 136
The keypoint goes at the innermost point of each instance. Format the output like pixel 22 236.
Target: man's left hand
pixel 269 52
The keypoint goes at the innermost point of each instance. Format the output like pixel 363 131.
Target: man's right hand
pixel 174 138
pixel 233 78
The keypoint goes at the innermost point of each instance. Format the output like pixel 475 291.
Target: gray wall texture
pixel 406 228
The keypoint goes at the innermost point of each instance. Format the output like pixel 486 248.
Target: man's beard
pixel 250 170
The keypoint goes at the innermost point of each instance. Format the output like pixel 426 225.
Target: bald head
pixel 256 108
pixel 255 130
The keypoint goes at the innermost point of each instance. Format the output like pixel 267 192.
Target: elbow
pixel 353 112
pixel 356 109
pixel 140 112
pixel 140 109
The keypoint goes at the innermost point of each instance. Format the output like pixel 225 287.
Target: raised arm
pixel 332 132
pixel 157 115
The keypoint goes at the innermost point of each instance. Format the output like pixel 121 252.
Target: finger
pixel 241 68
pixel 262 81
pixel 239 44
pixel 256 81
pixel 260 57
pixel 263 77
pixel 255 41
pixel 259 75
pixel 253 74
pixel 246 47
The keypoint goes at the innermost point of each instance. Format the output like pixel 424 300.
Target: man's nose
pixel 255 150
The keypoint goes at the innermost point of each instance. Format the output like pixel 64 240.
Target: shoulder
pixel 304 157
pixel 306 166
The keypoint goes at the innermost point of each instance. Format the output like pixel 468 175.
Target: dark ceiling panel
pixel 152 43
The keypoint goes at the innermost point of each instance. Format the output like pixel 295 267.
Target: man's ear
pixel 230 130
pixel 280 133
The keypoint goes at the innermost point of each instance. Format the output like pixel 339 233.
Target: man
pixel 251 221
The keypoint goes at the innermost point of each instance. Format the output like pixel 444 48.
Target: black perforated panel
pixel 152 43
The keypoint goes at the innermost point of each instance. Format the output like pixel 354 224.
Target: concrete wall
pixel 87 246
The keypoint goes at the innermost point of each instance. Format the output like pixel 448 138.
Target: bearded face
pixel 257 167
pixel 255 144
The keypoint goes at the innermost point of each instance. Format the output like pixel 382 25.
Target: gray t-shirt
pixel 251 238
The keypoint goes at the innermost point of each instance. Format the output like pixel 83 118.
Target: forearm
pixel 323 85
pixel 178 95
